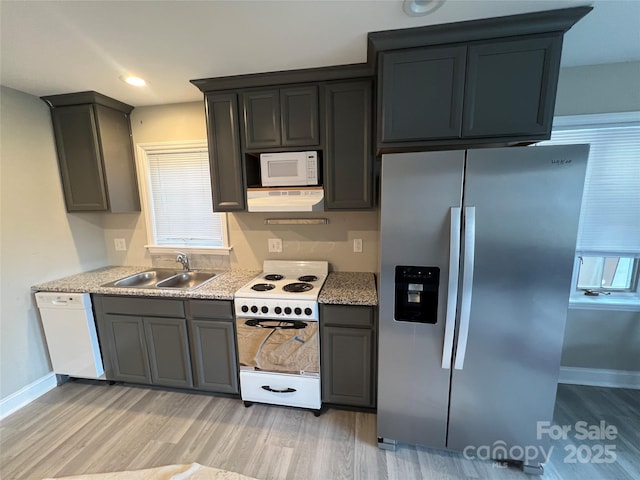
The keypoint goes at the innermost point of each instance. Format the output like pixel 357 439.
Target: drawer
pixel 210 309
pixel 305 394
pixel 156 307
pixel 347 316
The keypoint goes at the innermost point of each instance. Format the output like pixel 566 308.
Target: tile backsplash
pixel 196 262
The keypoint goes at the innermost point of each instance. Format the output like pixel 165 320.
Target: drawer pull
pixel 278 390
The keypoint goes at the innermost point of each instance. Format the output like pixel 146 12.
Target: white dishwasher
pixel 71 335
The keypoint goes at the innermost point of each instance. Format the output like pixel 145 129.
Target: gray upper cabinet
pixel 95 152
pixel 422 92
pixel 487 81
pixel 348 163
pixel 281 117
pixel 499 89
pixel 225 161
pixel 511 86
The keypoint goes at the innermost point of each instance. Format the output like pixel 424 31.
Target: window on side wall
pixel 176 194
pixel 607 262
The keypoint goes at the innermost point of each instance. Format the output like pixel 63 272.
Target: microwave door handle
pixel 467 284
pixel 452 287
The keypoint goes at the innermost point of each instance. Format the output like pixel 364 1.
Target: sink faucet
pixel 184 260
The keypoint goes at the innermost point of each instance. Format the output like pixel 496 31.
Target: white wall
pixel 39 241
pixel 600 339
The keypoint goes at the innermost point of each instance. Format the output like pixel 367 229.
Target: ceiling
pixel 52 47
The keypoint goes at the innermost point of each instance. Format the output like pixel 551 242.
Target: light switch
pixel 357 245
pixel 121 244
pixel 275 245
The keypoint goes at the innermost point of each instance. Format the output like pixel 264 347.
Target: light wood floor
pixel 88 428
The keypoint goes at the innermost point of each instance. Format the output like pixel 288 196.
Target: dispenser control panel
pixel 416 294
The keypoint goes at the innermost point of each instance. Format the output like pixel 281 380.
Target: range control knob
pixel 278 310
pixel 287 310
pixel 308 311
pixel 254 309
pixel 264 309
pixel 244 308
pixel 298 311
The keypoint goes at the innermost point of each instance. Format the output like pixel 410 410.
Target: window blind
pixel 610 213
pixel 181 199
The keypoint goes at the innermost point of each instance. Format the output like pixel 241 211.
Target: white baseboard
pixel 27 394
pixel 598 377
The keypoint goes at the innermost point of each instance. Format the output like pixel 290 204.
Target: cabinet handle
pixel 278 390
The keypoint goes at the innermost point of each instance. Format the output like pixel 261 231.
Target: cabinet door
pixel 127 347
pixel 227 178
pixel 114 130
pixel 214 355
pixel 348 160
pixel 421 93
pixel 511 86
pixel 80 158
pixel 168 351
pixel 299 116
pixel 347 373
pixel 261 111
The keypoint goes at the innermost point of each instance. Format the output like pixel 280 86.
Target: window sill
pixel 165 249
pixel 629 304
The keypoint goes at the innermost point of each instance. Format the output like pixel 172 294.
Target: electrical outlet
pixel 357 245
pixel 275 245
pixel 121 244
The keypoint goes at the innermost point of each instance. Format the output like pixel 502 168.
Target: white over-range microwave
pixel 288 169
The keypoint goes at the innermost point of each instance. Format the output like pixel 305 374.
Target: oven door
pixel 280 346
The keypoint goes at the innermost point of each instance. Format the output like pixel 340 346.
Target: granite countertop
pixel 349 288
pixel 340 288
pixel 222 287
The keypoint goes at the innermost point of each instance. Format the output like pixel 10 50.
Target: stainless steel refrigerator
pixel 477 251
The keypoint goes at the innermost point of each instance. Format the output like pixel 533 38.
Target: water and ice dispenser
pixel 416 294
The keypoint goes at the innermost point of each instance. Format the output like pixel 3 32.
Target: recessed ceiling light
pixel 417 8
pixel 135 81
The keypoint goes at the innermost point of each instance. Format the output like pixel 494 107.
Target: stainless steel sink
pixel 186 280
pixel 163 278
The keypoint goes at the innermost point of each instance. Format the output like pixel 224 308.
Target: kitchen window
pixel 607 259
pixel 176 195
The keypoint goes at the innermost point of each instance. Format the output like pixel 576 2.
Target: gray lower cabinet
pixel 348 161
pixel 213 345
pixel 225 159
pixel 484 91
pixel 144 340
pixel 95 152
pixel 123 339
pixel 348 355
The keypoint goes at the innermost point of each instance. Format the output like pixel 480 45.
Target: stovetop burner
pixel 308 278
pixel 297 287
pixel 273 277
pixel 263 287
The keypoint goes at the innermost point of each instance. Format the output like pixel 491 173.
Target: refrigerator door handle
pixel 467 283
pixel 452 287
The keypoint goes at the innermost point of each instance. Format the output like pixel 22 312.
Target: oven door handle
pixel 278 390
pixel 291 324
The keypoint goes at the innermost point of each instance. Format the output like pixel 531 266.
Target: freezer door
pixel 526 203
pixel 418 193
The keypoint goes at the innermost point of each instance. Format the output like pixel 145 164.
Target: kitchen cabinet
pixel 281 117
pixel 348 355
pixel 213 345
pixel 145 340
pixel 95 152
pixel 225 158
pixel 494 90
pixel 348 155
